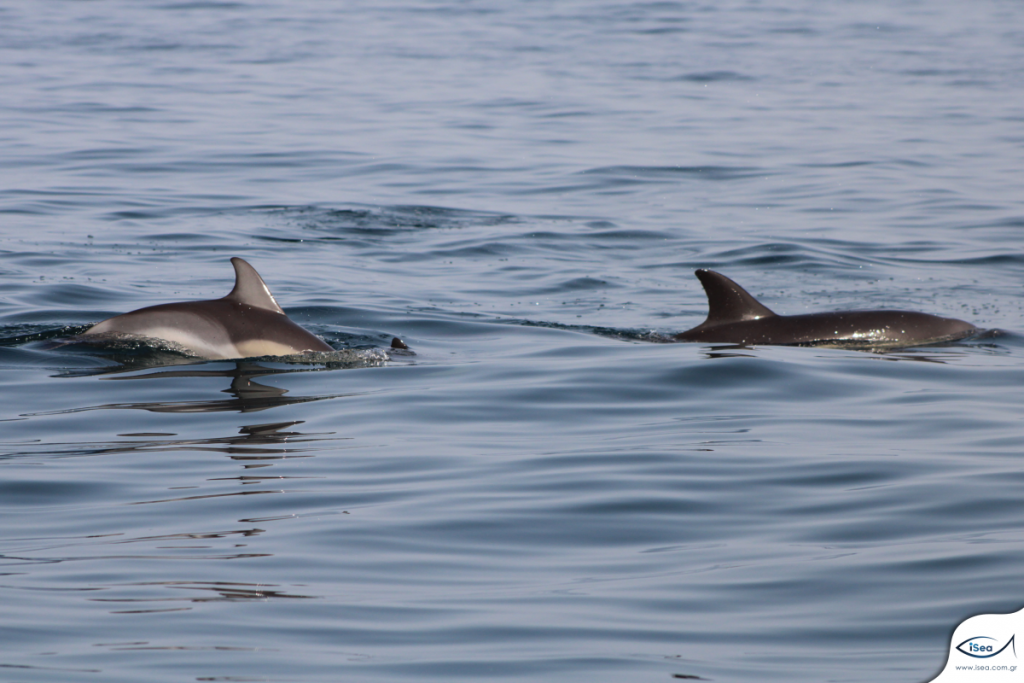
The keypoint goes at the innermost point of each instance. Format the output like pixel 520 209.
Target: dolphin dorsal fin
pixel 250 289
pixel 728 302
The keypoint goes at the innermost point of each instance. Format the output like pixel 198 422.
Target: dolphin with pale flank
pixel 736 317
pixel 246 323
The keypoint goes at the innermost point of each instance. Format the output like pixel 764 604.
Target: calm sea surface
pixel 521 191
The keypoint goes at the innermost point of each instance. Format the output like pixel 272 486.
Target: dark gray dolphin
pixel 246 323
pixel 735 317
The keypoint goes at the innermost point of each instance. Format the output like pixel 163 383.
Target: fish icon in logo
pixel 983 647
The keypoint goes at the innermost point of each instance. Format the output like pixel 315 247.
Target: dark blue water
pixel 521 192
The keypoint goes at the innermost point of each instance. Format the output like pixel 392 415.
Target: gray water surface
pixel 520 191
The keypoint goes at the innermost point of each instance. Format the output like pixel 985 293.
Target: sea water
pixel 521 192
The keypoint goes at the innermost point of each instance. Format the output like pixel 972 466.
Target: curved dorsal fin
pixel 728 302
pixel 250 288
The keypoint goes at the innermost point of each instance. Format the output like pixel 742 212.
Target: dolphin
pixel 736 317
pixel 246 323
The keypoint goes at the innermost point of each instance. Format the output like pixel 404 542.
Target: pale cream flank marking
pixel 263 347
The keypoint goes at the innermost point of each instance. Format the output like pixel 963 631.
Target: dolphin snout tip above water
pixel 248 322
pixel 736 317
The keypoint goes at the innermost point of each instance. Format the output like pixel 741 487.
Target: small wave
pixel 673 173
pixel 338 223
pixel 713 77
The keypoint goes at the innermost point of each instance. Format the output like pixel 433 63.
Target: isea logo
pixel 983 647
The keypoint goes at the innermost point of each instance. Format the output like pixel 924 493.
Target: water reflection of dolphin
pixel 246 323
pixel 736 317
pixel 247 395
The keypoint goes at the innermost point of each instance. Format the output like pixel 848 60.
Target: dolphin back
pixel 736 317
pixel 248 322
